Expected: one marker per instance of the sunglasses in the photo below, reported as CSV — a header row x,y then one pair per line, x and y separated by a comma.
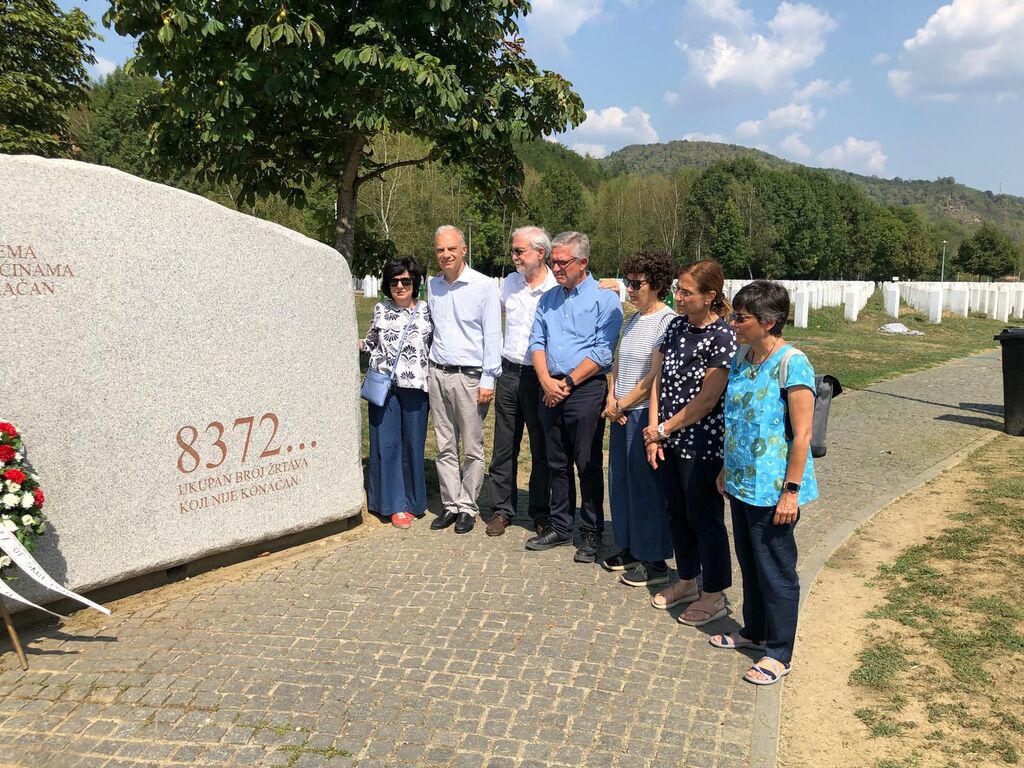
x,y
561,263
736,317
634,285
520,251
401,282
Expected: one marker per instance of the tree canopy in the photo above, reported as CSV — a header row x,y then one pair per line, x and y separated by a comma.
x,y
283,97
43,57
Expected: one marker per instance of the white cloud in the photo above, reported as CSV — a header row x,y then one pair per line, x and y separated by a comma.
x,y
794,147
821,89
594,150
103,67
633,126
552,22
967,47
739,56
856,155
881,58
671,98
699,136
792,116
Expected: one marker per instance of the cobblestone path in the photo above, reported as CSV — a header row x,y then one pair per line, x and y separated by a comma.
x,y
430,649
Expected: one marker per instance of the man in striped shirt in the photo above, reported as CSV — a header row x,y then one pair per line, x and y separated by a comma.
x,y
517,397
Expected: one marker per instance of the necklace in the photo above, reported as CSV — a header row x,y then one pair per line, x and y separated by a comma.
x,y
755,368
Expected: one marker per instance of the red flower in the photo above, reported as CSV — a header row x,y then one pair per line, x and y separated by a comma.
x,y
6,454
8,428
15,475
37,494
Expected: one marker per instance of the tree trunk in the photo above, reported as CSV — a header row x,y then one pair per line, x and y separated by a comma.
x,y
345,205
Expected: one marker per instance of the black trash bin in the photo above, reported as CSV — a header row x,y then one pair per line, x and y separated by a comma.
x,y
1012,340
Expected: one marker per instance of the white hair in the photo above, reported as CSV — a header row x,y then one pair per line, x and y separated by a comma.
x,y
539,239
450,228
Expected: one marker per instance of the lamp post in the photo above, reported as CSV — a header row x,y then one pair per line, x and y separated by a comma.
x,y
470,243
942,275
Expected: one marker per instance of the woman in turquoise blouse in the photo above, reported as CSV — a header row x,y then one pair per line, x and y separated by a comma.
x,y
768,474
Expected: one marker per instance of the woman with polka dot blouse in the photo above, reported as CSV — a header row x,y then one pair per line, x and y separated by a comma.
x,y
684,438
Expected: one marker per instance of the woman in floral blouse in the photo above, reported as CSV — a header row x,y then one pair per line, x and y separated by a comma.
x,y
684,438
768,474
398,429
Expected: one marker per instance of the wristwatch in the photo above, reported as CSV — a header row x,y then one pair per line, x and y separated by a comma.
x,y
791,487
661,429
570,383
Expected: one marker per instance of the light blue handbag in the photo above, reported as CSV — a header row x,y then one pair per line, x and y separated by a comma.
x,y
376,385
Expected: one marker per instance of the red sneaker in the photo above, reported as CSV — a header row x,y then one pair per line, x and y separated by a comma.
x,y
402,519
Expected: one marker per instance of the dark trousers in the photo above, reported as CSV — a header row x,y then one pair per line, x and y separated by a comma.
x,y
516,402
574,431
398,432
771,589
696,513
639,519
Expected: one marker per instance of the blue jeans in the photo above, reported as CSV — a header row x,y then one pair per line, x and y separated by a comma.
x,y
639,518
766,553
398,432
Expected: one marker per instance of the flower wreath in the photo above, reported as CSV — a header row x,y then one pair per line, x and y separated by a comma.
x,y
21,498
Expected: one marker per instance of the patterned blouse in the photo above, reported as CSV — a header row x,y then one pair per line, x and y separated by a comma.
x,y
688,352
756,449
382,342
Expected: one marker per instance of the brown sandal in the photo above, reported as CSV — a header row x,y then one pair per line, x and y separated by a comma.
x,y
672,599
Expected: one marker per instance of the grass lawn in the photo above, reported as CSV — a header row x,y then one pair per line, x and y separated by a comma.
x,y
855,353
948,641
858,355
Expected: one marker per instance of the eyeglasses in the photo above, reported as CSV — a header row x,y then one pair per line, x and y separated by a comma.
x,y
680,291
561,263
736,317
520,251
634,285
401,282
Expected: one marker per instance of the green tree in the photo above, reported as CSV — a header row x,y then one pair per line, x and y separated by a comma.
x,y
278,96
114,127
43,56
558,204
989,252
729,241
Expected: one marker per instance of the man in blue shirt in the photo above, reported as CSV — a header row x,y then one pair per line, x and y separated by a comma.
x,y
572,344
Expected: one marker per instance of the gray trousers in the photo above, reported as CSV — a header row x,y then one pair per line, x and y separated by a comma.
x,y
457,415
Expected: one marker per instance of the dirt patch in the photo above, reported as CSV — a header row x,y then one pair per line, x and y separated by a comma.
x,y
944,704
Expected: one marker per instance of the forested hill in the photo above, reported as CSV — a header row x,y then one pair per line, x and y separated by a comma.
x,y
943,198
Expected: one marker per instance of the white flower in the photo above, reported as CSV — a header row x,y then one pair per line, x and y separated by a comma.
x,y
27,500
10,525
18,457
4,561
10,500
27,520
13,487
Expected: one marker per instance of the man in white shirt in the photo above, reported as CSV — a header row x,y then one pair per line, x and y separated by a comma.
x,y
517,398
465,361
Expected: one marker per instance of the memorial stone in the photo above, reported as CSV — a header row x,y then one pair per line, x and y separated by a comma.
x,y
186,375
891,295
803,300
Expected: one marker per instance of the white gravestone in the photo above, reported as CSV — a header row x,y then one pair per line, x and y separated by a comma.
x,y
803,300
935,305
851,305
185,376
891,294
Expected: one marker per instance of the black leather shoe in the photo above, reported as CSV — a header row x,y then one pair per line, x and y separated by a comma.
x,y
443,520
550,538
465,522
590,543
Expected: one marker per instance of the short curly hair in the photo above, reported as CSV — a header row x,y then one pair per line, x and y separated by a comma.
x,y
657,268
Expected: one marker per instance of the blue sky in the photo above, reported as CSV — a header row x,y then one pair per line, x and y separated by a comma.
x,y
911,88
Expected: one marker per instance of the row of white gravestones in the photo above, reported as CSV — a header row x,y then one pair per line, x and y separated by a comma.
x,y
998,301
815,294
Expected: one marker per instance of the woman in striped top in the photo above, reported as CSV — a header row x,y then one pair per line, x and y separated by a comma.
x,y
639,519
